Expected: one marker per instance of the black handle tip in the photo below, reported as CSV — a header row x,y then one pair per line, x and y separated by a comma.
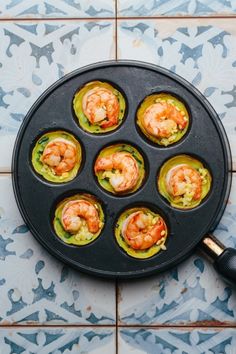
x,y
225,264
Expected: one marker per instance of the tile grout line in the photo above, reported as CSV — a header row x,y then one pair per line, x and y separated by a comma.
x,y
116,31
41,19
174,326
33,325
117,316
178,17
115,18
151,326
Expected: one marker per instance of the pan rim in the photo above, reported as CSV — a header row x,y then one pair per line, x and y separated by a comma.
x,y
221,204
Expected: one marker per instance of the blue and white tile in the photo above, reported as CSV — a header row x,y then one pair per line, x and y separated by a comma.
x,y
35,288
148,8
177,341
57,340
191,293
33,55
57,8
202,51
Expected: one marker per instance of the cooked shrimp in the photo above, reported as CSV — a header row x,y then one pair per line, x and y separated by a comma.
x,y
60,154
184,180
142,231
101,106
162,119
126,172
75,211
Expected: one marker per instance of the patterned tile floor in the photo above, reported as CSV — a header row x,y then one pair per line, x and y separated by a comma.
x,y
151,8
178,341
57,340
57,9
46,307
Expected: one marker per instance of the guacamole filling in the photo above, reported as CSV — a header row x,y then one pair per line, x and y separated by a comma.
x,y
103,177
185,200
83,236
84,122
46,171
136,253
177,132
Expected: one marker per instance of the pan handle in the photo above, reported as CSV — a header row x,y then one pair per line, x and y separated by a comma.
x,y
224,259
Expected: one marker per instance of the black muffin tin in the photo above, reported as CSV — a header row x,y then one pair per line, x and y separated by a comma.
x,y
38,198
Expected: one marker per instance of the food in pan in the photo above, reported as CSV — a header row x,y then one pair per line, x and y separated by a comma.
x,y
163,118
120,169
184,181
99,107
79,219
57,156
141,232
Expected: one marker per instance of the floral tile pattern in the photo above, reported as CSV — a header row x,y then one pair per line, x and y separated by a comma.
x,y
130,8
56,8
57,341
35,288
177,341
33,55
190,293
47,307
202,51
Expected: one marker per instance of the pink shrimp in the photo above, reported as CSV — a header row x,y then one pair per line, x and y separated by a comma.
x,y
101,106
184,179
126,168
140,232
60,154
76,210
162,119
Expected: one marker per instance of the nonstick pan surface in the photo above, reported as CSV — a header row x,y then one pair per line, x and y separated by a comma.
x,y
205,140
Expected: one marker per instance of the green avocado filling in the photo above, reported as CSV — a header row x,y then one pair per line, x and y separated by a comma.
x,y
103,177
185,201
78,107
83,236
46,171
141,254
176,134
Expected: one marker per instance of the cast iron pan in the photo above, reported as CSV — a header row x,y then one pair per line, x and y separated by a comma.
x,y
205,140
